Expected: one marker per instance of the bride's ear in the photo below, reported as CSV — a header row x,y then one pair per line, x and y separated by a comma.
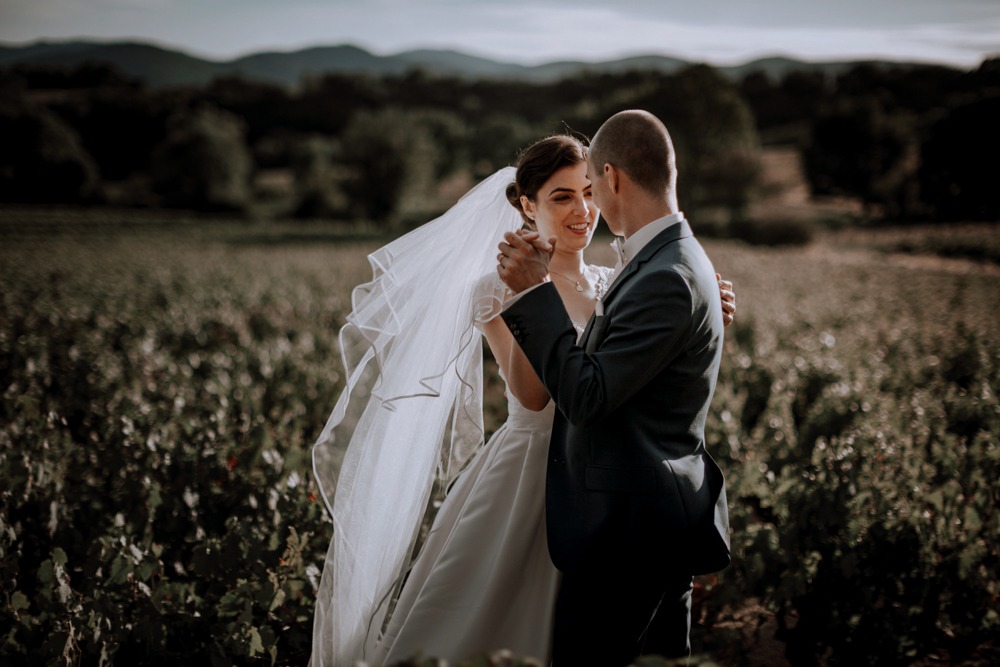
x,y
528,207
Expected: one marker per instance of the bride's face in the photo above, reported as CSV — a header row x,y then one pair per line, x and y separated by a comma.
x,y
564,208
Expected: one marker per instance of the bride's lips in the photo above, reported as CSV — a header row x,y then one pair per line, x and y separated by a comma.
x,y
581,228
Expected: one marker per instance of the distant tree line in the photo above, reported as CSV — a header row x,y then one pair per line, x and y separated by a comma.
x,y
911,143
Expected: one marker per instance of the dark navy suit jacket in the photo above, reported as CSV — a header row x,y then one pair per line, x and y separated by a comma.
x,y
629,479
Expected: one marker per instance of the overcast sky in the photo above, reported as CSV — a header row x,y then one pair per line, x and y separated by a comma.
x,y
959,32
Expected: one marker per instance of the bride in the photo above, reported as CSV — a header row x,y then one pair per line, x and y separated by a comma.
x,y
410,419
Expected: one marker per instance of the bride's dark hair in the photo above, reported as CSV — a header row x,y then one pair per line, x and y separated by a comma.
x,y
536,164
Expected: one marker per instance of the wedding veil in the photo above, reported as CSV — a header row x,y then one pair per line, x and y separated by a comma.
x,y
411,410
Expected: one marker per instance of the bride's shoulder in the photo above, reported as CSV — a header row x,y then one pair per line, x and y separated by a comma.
x,y
490,286
489,282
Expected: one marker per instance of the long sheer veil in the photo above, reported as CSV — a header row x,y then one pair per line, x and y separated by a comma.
x,y
411,411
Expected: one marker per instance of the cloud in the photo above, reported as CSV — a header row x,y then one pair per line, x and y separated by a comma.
x,y
532,31
589,33
760,13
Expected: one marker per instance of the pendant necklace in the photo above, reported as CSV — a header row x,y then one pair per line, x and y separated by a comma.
x,y
579,287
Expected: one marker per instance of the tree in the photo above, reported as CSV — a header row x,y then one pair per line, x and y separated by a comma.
x,y
315,183
375,149
42,159
394,160
859,150
784,110
712,128
203,162
731,179
118,126
262,106
959,171
496,141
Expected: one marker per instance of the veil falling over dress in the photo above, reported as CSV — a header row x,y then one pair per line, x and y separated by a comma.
x,y
411,410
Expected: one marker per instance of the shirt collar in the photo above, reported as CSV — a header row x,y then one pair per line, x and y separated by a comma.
x,y
635,243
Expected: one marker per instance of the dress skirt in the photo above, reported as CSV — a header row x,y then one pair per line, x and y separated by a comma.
x,y
483,580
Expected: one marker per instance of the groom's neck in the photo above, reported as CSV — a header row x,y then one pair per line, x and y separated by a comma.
x,y
643,210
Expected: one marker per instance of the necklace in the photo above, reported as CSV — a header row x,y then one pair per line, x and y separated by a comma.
x,y
579,287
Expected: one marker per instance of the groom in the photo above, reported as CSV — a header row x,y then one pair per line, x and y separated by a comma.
x,y
635,506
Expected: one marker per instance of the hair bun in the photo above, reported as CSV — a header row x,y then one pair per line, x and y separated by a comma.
x,y
514,195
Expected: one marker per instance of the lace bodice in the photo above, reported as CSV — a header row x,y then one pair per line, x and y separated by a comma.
x,y
604,276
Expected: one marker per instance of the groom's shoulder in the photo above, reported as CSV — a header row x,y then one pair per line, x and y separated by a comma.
x,y
688,250
683,261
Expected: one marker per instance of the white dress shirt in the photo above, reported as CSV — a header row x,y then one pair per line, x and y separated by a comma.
x,y
634,244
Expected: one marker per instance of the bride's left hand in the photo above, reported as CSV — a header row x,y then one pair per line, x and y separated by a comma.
x,y
728,300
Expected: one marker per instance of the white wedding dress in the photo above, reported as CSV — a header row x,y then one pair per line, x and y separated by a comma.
x,y
484,580
409,418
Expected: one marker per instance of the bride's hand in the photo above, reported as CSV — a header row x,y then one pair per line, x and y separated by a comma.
x,y
535,239
728,300
523,261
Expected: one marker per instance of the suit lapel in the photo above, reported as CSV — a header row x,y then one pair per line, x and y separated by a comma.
x,y
669,235
672,233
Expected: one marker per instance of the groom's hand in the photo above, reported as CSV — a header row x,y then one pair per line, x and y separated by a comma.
x,y
523,261
728,300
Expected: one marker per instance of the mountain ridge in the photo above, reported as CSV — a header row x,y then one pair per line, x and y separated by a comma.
x,y
162,66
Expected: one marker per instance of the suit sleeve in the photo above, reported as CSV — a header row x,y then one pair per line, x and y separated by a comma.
x,y
648,327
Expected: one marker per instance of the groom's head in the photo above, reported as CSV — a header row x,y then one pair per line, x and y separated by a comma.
x,y
636,145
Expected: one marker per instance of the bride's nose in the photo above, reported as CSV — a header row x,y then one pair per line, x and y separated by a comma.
x,y
580,207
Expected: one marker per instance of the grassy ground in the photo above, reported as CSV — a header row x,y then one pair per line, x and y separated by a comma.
x,y
201,354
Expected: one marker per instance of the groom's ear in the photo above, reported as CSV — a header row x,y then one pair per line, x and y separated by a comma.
x,y
614,177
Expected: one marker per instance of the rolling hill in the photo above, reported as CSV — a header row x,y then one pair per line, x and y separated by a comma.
x,y
160,66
